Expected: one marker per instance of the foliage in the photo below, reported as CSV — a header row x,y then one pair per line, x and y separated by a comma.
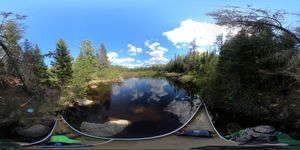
x,y
258,70
40,68
62,64
85,64
198,68
102,56
252,71
33,66
12,33
114,72
84,67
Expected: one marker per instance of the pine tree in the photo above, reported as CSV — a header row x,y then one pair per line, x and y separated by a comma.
x,y
27,55
40,68
28,65
102,56
62,64
86,63
12,33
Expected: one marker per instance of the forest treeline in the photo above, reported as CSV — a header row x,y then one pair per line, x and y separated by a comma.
x,y
22,60
252,68
255,72
65,79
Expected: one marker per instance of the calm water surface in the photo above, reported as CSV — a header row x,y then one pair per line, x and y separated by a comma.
x,y
153,106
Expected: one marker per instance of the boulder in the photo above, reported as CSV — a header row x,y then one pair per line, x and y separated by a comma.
x,y
44,120
106,129
33,131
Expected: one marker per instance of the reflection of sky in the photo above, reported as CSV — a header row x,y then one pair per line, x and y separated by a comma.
x,y
136,95
116,90
151,104
183,109
133,86
157,89
131,83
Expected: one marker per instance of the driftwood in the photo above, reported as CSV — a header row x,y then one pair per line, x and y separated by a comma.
x,y
24,104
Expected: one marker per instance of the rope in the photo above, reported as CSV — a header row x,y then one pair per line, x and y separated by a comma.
x,y
103,142
48,136
211,123
134,139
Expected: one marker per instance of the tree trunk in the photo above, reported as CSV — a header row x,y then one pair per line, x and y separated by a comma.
x,y
14,63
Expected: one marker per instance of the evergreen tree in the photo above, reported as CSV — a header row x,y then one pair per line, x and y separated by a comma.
x,y
28,65
40,68
27,56
254,68
12,34
86,63
102,56
62,64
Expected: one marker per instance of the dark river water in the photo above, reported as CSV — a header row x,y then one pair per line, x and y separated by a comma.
x,y
143,107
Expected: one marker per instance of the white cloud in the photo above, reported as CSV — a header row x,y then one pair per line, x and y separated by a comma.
x,y
130,65
156,52
200,49
113,58
138,61
153,45
203,33
112,55
147,42
133,50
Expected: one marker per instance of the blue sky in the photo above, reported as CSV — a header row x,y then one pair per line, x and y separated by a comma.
x,y
135,32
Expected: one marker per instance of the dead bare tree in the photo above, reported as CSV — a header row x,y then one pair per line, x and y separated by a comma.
x,y
233,16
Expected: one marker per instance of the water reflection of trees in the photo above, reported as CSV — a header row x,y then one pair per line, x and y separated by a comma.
x,y
97,112
177,86
101,94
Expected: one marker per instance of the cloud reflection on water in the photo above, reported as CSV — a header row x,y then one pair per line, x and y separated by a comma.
x,y
154,106
183,109
157,89
116,90
136,95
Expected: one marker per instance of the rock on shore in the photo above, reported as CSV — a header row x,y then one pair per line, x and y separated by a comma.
x,y
106,129
33,131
